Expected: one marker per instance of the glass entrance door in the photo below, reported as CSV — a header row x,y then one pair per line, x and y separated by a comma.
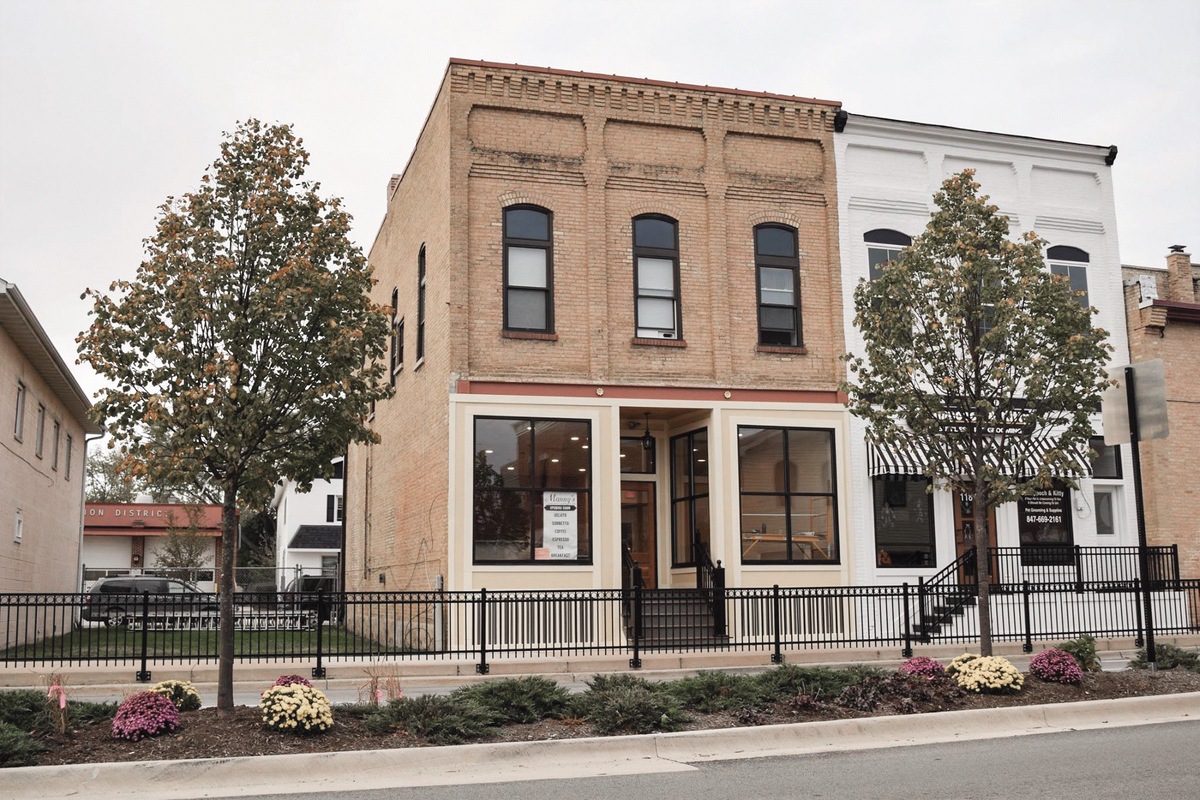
x,y
638,528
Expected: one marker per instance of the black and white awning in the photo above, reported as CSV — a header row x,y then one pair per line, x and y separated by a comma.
x,y
911,461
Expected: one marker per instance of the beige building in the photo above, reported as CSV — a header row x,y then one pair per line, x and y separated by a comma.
x,y
43,428
1163,309
617,337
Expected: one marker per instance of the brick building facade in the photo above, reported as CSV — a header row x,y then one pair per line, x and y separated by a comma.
x,y
581,266
1163,308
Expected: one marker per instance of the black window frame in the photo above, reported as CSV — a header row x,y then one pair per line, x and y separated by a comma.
x,y
532,490
19,419
421,282
651,453
641,251
688,500
1097,443
547,245
788,494
891,486
763,261
396,357
884,239
1071,262
39,443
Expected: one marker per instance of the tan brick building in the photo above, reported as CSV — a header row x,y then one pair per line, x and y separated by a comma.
x,y
43,414
1163,310
618,328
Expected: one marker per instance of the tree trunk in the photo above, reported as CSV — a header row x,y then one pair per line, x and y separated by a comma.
x,y
982,560
229,543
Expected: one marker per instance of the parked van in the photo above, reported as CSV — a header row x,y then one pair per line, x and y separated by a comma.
x,y
114,601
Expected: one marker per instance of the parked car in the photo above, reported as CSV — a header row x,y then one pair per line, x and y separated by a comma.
x,y
301,595
114,601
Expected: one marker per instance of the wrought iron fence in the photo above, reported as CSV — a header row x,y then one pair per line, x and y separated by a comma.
x,y
482,626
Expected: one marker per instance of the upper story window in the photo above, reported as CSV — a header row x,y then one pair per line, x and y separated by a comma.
x,y
1071,263
70,447
528,270
420,305
656,278
884,245
396,358
334,508
54,452
19,421
777,262
39,443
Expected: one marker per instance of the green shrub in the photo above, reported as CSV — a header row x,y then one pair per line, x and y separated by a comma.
x,y
182,693
787,681
1168,656
626,704
17,747
1084,651
518,700
900,692
85,712
436,719
717,691
26,709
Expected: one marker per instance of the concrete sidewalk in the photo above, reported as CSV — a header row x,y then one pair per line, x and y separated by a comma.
x,y
620,755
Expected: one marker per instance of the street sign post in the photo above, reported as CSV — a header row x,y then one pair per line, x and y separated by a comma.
x,y
1135,409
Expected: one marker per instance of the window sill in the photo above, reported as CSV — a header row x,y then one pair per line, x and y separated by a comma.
x,y
797,350
532,336
638,341
417,365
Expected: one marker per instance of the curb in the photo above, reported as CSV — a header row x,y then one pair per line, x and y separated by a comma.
x,y
618,755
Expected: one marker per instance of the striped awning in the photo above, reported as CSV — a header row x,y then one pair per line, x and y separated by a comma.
x,y
885,460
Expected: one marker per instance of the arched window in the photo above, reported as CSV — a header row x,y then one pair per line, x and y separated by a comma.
x,y
777,262
1071,263
528,269
656,277
884,245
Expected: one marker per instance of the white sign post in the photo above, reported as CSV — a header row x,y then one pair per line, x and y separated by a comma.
x,y
561,518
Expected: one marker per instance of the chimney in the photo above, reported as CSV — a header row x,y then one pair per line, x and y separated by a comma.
x,y
1179,275
392,184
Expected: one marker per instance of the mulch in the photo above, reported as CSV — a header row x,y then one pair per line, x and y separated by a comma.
x,y
207,734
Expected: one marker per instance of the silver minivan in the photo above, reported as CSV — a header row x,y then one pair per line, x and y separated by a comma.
x,y
114,601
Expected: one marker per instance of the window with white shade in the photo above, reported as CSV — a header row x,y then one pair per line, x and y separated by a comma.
x,y
656,277
528,270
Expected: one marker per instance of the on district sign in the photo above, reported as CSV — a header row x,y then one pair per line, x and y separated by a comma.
x,y
560,514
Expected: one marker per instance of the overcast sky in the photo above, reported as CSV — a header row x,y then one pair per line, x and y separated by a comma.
x,y
108,108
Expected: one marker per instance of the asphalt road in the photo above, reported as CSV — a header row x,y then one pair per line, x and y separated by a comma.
x,y
1145,762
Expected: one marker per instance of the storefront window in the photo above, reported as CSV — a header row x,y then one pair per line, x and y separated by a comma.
x,y
689,496
903,523
1044,519
532,480
788,497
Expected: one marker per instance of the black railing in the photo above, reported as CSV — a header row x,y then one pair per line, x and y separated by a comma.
x,y
1116,567
145,632
710,580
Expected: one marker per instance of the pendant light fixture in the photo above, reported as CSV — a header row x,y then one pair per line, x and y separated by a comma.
x,y
647,439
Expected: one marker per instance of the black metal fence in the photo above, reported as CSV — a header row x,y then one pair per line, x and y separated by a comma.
x,y
143,630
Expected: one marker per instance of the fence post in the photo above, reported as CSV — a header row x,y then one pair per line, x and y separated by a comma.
x,y
1137,603
482,667
777,656
922,616
1175,566
1028,646
718,590
319,669
1078,570
636,661
908,651
143,675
